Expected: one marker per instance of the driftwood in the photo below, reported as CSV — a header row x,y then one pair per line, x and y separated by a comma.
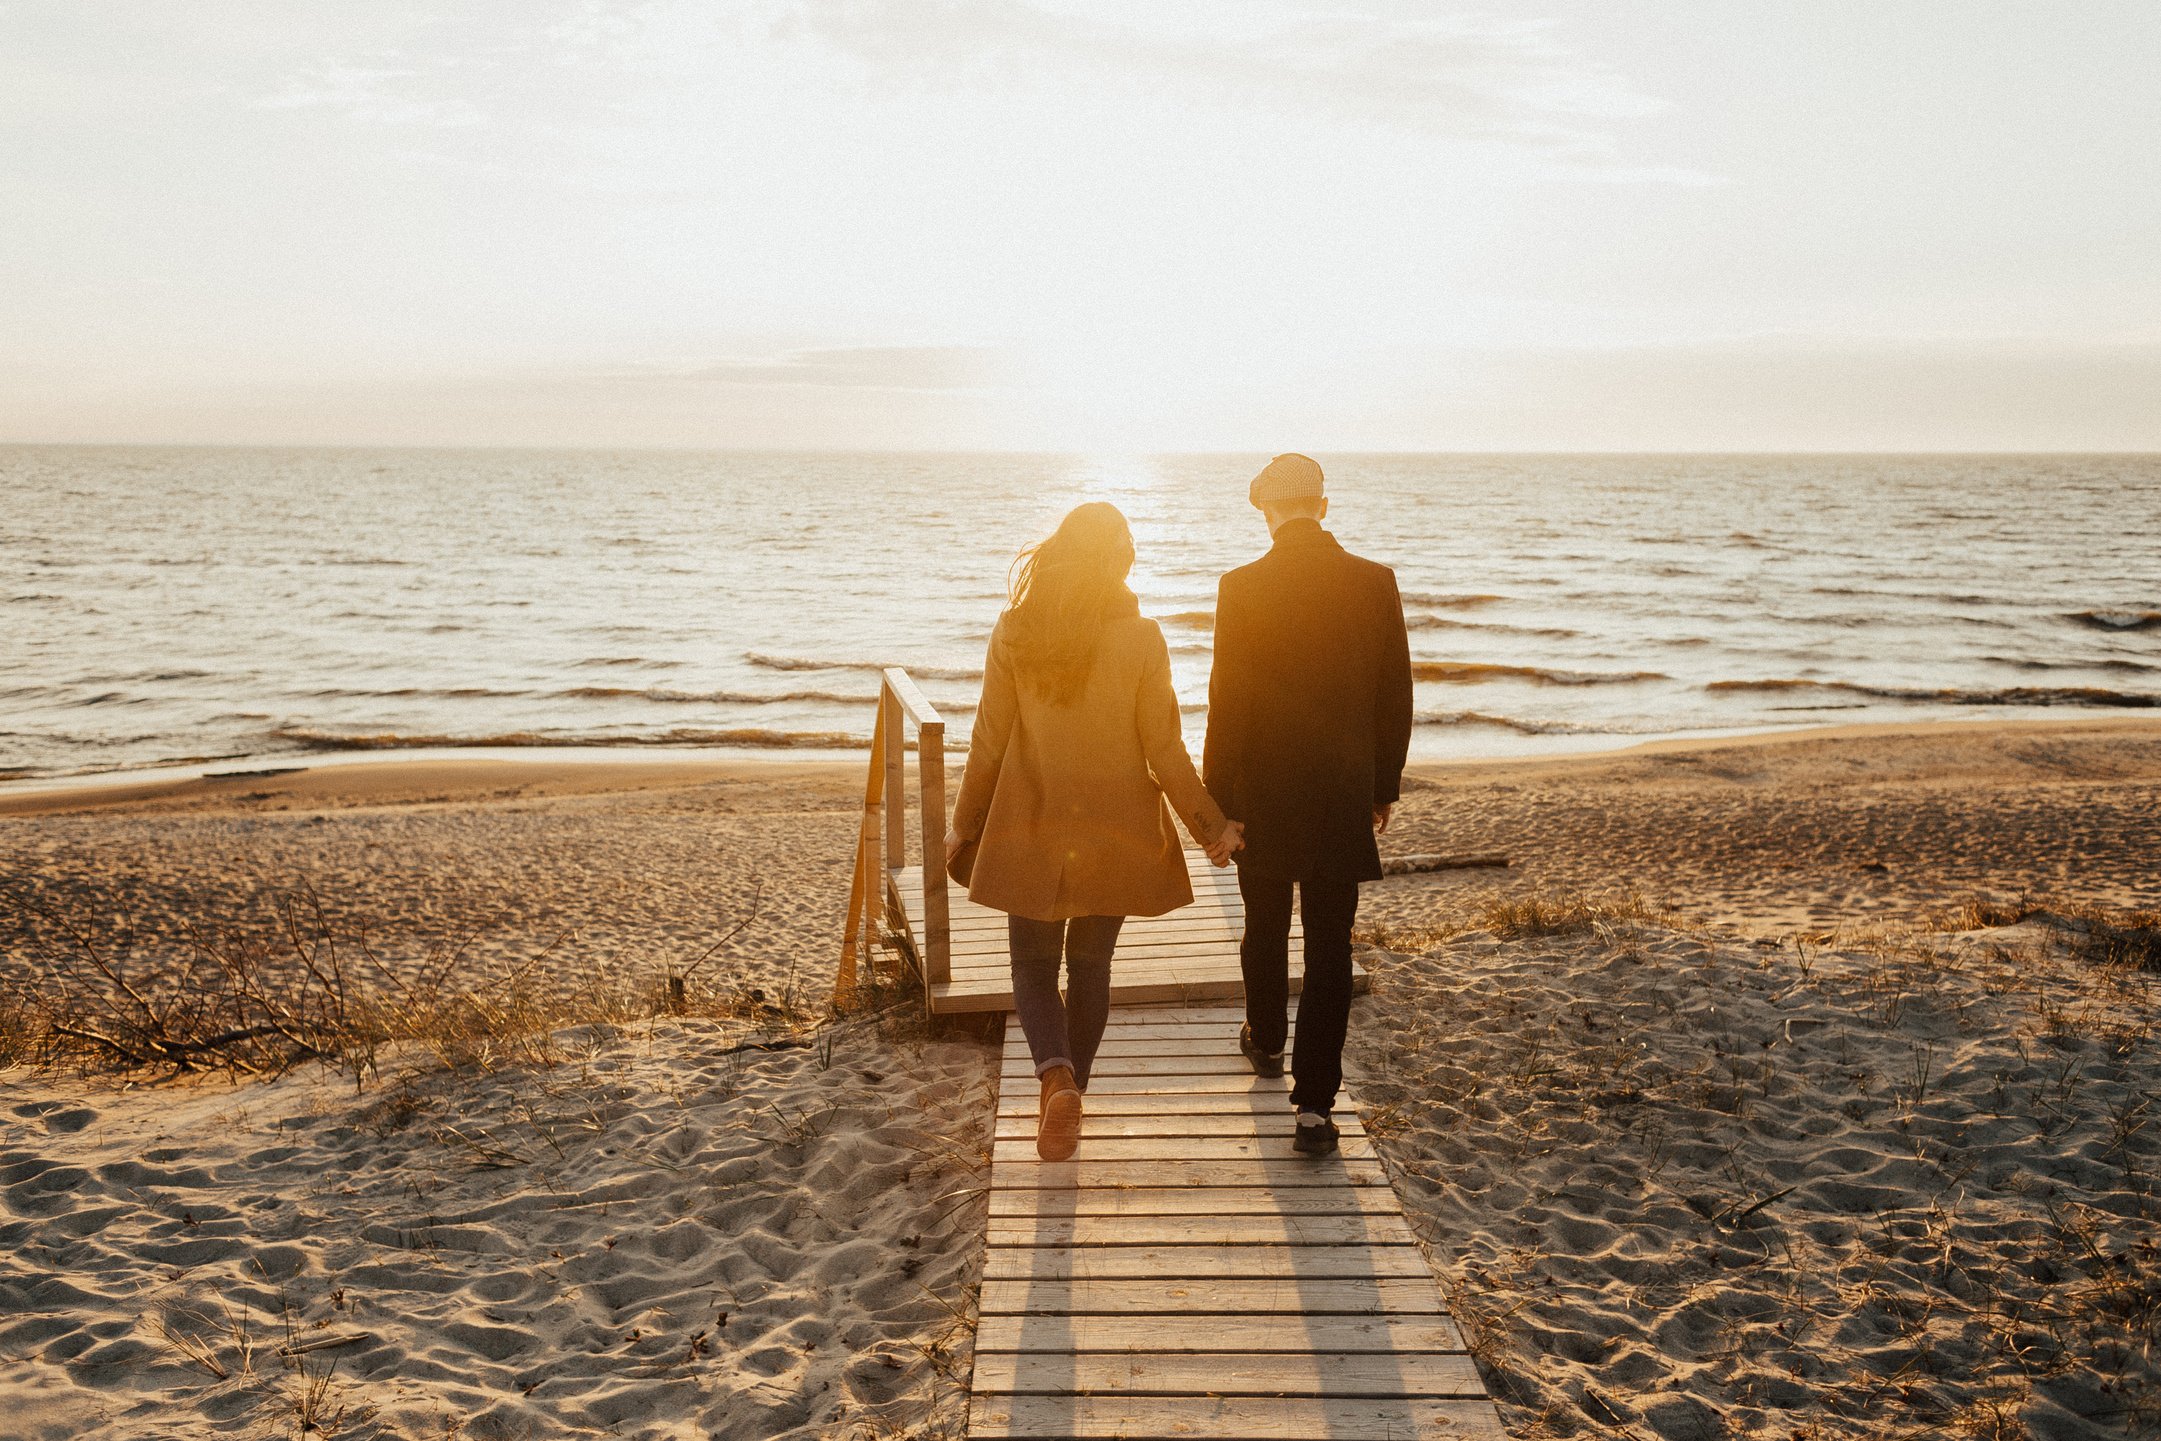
x,y
1438,861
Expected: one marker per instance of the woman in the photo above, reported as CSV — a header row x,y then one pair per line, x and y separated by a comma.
x,y
1061,820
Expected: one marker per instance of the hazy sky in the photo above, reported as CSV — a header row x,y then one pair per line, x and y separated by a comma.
x,y
1236,224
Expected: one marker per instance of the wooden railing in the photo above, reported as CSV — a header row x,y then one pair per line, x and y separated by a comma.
x,y
875,914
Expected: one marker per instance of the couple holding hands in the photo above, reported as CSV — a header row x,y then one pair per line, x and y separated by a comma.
x,y
1076,761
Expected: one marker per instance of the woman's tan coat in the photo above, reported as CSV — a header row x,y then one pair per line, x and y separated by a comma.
x,y
1067,802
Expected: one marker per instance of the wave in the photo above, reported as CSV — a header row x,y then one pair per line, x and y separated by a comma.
x,y
2118,664
633,662
2034,695
790,662
1453,602
2117,620
1504,722
1191,619
310,738
407,692
1418,620
667,696
1476,672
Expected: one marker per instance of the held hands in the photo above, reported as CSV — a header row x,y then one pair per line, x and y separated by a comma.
x,y
1229,843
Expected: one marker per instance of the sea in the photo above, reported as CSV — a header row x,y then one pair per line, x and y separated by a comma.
x,y
206,606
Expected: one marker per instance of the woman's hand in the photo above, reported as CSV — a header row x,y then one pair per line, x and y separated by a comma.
x,y
1230,842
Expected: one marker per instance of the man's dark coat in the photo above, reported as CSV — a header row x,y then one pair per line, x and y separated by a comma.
x,y
1309,706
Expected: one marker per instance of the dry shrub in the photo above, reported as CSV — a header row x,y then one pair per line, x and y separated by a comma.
x,y
2099,935
1525,914
19,1023
260,1005
1565,913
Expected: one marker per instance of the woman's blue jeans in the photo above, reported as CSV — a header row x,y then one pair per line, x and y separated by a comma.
x,y
1063,1033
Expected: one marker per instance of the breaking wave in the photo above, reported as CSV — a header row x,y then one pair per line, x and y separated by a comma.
x,y
1504,722
1474,672
310,738
2035,695
792,663
2117,620
1446,600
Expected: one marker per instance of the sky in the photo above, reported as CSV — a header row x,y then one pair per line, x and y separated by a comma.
x,y
1248,225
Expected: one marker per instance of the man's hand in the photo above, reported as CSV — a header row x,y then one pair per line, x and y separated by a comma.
x,y
953,842
1230,842
1380,818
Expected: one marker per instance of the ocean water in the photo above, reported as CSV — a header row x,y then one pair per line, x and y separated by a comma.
x,y
163,605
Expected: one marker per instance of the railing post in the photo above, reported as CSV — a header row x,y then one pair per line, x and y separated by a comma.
x,y
896,778
937,924
874,925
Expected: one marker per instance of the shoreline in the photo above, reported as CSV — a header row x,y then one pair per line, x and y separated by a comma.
x,y
449,774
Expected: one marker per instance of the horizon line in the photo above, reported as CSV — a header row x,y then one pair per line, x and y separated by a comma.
x,y
988,451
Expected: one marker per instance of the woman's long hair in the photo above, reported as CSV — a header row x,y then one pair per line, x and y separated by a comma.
x,y
1064,591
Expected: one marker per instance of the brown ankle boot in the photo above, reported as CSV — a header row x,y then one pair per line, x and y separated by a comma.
x,y
1058,1115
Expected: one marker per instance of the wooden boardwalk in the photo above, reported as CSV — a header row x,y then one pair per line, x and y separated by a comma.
x,y
1187,1274
1189,955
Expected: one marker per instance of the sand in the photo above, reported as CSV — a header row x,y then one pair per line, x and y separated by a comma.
x,y
661,1236
1687,1188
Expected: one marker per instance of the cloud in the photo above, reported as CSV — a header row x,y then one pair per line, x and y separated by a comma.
x,y
383,94
875,367
1462,76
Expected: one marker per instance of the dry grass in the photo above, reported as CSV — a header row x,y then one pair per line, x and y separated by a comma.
x,y
2099,935
1523,915
250,1005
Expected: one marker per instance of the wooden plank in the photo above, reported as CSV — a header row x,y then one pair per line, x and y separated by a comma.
x,y
1229,1084
985,996
1057,1333
1183,1016
1018,1263
1094,1127
1254,1230
910,697
1183,1148
1222,1033
1192,1201
1150,1103
1292,1171
1434,1375
1234,1418
980,918
1213,948
1215,1065
1144,1045
1208,1296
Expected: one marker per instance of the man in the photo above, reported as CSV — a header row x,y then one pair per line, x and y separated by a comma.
x,y
1309,720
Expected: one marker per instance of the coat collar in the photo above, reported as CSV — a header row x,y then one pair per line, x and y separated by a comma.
x,y
1300,534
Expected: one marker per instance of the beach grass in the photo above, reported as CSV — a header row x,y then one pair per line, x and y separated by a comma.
x,y
1520,914
257,1003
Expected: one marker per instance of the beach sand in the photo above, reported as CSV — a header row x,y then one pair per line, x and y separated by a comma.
x,y
660,1236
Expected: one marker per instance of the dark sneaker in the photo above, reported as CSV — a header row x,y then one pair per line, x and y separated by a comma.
x,y
1265,1063
1316,1134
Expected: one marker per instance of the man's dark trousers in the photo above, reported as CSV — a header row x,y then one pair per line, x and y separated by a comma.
x,y
1324,1008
